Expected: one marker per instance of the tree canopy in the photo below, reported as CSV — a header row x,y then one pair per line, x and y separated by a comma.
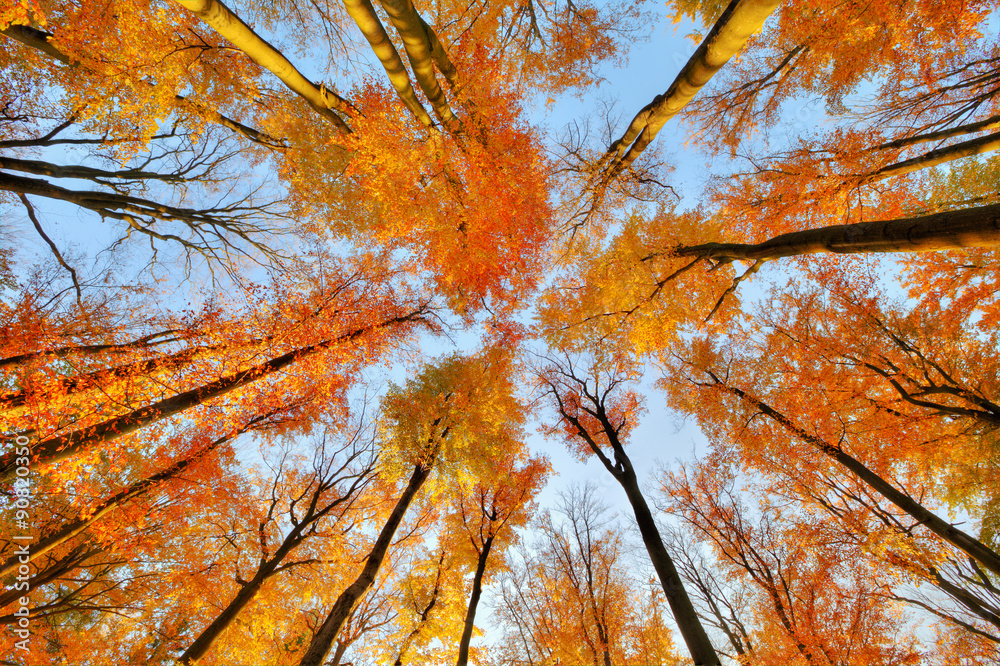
x,y
306,306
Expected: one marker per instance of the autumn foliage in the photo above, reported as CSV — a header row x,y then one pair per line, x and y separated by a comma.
x,y
308,311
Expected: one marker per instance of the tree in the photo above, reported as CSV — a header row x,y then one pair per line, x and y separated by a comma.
x,y
227,221
491,512
453,414
157,385
825,610
338,477
595,414
568,598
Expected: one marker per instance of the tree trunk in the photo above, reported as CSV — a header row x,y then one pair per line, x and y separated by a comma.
x,y
242,36
73,528
419,50
147,342
978,146
970,227
956,537
688,622
424,615
338,654
364,15
320,646
203,643
59,448
694,634
981,126
470,616
737,24
72,385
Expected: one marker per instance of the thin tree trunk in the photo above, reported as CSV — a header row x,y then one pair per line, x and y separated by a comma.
x,y
338,654
73,528
981,126
470,616
956,537
315,654
54,571
951,230
116,206
147,342
694,634
59,448
72,385
424,615
978,146
203,643
80,171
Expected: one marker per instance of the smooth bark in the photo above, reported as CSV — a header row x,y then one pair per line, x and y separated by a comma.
x,y
737,24
318,649
242,36
477,591
55,449
364,15
420,51
977,146
951,230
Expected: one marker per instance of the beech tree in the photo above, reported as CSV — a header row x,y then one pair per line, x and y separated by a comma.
x,y
225,222
596,413
570,598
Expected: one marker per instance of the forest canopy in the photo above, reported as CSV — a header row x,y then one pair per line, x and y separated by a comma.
x,y
311,312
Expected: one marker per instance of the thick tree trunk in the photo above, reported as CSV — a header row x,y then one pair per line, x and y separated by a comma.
x,y
956,537
315,654
59,448
203,643
242,36
364,15
970,227
420,51
470,615
738,23
692,631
